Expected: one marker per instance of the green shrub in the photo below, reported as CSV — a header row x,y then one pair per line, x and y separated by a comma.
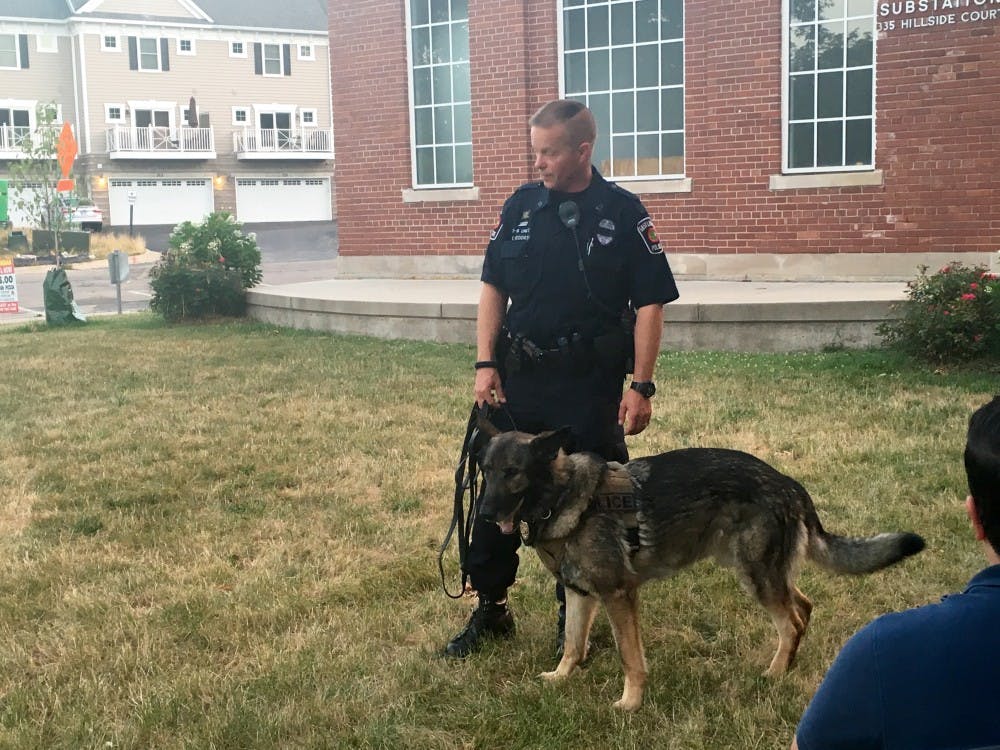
x,y
206,271
949,316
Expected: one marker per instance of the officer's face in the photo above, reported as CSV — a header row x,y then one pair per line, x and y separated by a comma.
x,y
562,167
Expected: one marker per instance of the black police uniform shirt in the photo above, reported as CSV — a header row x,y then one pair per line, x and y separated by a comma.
x,y
534,259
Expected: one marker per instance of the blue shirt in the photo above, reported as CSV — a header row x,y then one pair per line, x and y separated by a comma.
x,y
924,679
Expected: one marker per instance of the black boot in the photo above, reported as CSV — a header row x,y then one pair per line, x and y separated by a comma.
x,y
489,619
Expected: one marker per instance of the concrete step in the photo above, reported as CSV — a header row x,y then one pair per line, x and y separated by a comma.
x,y
709,316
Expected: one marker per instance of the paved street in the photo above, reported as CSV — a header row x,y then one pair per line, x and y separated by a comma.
x,y
289,254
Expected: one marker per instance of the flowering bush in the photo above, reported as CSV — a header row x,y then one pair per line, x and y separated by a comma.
x,y
206,271
950,316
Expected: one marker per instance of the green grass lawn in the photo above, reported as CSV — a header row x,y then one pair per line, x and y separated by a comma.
x,y
225,536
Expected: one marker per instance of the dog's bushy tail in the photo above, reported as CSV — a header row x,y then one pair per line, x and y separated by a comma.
x,y
857,555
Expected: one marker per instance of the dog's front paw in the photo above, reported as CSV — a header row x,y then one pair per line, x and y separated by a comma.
x,y
557,674
624,704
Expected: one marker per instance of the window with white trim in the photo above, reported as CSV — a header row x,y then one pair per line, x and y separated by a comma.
x,y
271,57
114,113
237,49
9,53
440,93
306,52
241,116
830,87
625,60
308,118
149,54
109,43
185,47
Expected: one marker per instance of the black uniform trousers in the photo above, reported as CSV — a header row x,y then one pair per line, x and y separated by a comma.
x,y
540,399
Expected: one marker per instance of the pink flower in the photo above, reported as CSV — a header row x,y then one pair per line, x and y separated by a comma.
x,y
945,269
977,338
968,297
945,312
987,276
221,259
973,285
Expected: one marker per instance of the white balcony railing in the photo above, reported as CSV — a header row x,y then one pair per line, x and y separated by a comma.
x,y
160,142
277,143
14,139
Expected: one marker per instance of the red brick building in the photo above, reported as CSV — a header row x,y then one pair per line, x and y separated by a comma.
x,y
777,139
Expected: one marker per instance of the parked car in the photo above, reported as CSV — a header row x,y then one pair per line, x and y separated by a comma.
x,y
87,215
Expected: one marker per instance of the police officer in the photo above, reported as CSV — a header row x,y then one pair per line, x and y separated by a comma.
x,y
579,262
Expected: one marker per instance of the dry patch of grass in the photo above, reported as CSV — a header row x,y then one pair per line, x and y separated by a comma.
x,y
225,536
103,244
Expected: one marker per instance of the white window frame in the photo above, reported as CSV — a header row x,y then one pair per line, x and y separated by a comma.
x,y
786,73
457,102
310,55
190,52
607,138
116,47
264,59
47,43
111,120
232,50
302,117
31,107
139,53
155,106
246,117
17,53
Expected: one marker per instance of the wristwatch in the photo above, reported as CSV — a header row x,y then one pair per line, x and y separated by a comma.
x,y
645,388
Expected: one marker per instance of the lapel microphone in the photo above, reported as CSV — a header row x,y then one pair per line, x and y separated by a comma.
x,y
569,214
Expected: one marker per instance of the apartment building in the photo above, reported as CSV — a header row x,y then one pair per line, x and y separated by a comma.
x,y
768,138
179,107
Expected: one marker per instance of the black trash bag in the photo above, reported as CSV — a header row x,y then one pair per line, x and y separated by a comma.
x,y
60,309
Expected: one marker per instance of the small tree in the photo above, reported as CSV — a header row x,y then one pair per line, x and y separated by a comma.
x,y
36,176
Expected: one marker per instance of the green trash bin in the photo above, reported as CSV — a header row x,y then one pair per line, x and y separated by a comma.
x,y
60,308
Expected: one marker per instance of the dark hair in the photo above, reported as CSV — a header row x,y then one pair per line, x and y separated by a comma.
x,y
982,467
581,127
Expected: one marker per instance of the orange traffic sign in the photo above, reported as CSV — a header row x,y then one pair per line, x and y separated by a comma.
x,y
66,149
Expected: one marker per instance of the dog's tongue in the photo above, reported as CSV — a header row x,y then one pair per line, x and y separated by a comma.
x,y
506,527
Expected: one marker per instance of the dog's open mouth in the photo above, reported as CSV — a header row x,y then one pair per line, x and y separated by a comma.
x,y
508,524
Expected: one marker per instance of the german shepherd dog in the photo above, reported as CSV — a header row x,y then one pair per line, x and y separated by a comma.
x,y
603,529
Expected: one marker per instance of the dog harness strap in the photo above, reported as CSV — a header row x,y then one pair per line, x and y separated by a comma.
x,y
616,492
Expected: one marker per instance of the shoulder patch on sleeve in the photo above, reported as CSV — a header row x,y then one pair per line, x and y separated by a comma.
x,y
497,229
647,231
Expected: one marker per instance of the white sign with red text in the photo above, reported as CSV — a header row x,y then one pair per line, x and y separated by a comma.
x,y
8,288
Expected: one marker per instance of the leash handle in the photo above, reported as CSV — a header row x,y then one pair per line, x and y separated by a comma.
x,y
467,460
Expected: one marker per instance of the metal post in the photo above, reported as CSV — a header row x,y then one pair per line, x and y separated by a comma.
x,y
131,212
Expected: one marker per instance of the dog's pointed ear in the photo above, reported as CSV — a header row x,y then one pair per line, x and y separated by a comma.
x,y
547,444
486,427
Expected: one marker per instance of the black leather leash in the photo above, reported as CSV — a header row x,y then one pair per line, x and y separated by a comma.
x,y
467,476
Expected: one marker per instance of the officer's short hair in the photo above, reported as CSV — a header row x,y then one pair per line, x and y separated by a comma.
x,y
982,467
579,121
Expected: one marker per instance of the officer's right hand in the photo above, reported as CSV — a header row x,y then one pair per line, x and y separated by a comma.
x,y
488,389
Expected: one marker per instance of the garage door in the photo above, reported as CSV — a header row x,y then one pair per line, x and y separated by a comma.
x,y
285,199
18,216
160,201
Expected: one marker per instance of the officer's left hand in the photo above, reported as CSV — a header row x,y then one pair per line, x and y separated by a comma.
x,y
635,412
